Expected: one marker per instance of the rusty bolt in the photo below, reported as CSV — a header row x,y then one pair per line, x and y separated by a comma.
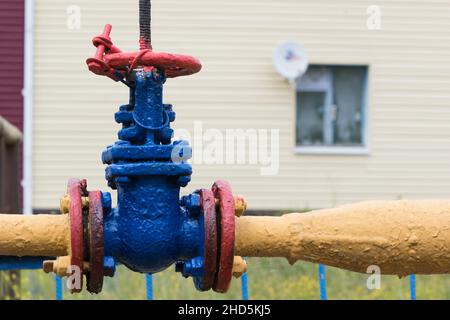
x,y
86,267
61,265
85,202
239,266
64,204
58,266
240,205
47,266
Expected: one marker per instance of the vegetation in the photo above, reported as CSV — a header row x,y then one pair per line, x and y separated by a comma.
x,y
267,279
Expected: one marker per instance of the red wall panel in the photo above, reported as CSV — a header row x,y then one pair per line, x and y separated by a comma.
x,y
11,60
12,24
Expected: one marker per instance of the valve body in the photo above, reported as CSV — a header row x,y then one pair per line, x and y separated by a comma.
x,y
148,230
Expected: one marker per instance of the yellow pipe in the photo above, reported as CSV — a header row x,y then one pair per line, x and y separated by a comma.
x,y
36,235
400,237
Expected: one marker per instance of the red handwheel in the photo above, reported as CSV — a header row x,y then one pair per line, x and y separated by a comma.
x,y
174,65
110,61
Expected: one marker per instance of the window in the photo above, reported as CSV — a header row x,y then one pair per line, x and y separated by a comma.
x,y
331,109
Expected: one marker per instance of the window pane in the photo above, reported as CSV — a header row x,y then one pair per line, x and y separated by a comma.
x,y
310,107
348,88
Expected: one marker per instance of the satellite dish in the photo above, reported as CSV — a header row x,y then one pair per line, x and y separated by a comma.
x,y
290,60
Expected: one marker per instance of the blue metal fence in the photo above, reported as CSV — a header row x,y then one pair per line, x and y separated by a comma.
x,y
149,286
412,287
58,288
322,282
244,285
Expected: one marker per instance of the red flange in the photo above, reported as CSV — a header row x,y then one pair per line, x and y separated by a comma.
x,y
222,191
75,189
95,234
208,205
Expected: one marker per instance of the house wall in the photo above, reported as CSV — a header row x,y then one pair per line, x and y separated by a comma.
x,y
408,94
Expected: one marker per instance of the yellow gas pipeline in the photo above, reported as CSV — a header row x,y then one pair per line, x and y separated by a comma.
x,y
400,237
34,235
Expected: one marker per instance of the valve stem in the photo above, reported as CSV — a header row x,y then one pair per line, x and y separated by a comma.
x,y
145,19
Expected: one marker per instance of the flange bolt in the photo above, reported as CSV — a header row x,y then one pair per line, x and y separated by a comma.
x,y
64,204
240,205
109,266
192,204
106,203
193,267
239,266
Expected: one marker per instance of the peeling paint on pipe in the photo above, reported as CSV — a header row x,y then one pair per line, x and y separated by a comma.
x,y
401,237
34,235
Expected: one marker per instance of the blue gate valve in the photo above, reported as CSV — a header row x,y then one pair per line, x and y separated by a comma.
x,y
151,228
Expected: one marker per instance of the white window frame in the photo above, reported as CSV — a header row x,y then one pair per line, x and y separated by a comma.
x,y
362,149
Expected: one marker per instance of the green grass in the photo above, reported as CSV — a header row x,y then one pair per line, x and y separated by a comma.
x,y
268,279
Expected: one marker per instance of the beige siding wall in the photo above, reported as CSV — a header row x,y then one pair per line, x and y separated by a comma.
x,y
409,93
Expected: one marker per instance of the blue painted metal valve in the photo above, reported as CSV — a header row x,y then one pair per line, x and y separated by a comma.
x,y
151,228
